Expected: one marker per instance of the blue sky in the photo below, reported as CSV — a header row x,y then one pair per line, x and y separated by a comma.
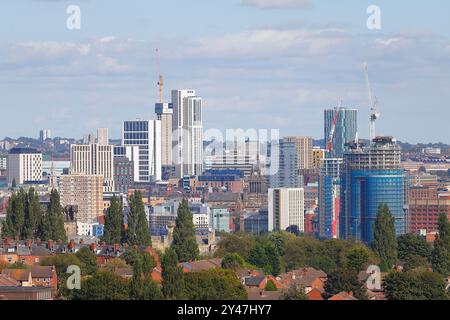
x,y
257,63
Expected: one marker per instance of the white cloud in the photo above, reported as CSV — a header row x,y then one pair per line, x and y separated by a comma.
x,y
279,4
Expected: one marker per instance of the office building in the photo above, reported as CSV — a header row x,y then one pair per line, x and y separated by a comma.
x,y
85,192
94,159
123,174
3,162
318,156
24,166
304,147
220,219
426,204
372,176
187,125
345,124
257,223
146,135
286,209
329,197
284,166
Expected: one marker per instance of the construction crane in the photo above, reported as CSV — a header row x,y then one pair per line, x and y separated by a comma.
x,y
333,127
374,113
161,78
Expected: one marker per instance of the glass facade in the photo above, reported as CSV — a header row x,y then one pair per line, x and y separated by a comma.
x,y
345,130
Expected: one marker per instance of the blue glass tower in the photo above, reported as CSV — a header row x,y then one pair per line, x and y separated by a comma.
x,y
372,176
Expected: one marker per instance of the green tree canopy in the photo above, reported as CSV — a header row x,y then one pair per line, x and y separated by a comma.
x,y
184,241
173,285
138,232
344,280
413,251
440,257
113,223
53,220
103,285
385,242
214,284
294,293
88,259
240,243
270,286
265,256
414,285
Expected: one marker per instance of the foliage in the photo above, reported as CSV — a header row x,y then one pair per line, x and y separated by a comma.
x,y
113,223
385,242
413,251
414,285
53,220
103,286
233,261
344,280
358,257
240,243
440,257
184,241
294,293
88,259
264,255
173,285
270,286
138,231
214,284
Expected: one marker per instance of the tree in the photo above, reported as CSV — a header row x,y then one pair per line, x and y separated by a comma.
x,y
113,223
294,293
440,257
14,224
240,243
184,241
173,285
413,251
266,257
270,286
385,242
358,257
344,280
33,216
414,285
103,285
142,286
88,259
138,232
53,220
214,284
233,261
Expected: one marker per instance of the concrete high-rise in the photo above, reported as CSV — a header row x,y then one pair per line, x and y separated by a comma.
x,y
85,192
304,146
164,113
187,127
145,134
284,166
372,176
103,136
94,159
45,134
286,208
345,123
24,166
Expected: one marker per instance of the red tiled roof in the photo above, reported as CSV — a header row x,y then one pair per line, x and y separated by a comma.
x,y
7,281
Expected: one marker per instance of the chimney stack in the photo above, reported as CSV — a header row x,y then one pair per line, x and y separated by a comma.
x,y
50,244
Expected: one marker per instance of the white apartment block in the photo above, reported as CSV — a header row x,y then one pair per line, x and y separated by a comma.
x,y
94,159
164,113
86,193
187,126
24,166
286,208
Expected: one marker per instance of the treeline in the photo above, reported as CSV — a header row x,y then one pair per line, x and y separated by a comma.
x,y
26,219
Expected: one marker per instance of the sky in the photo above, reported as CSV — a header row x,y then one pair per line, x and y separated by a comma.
x,y
258,64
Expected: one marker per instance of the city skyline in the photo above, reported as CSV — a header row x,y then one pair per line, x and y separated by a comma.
x,y
256,66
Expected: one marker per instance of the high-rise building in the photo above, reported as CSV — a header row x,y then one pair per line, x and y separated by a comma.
x,y
426,204
286,209
103,136
146,135
94,159
345,124
187,125
372,176
164,113
329,197
45,134
284,166
85,192
304,147
24,166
